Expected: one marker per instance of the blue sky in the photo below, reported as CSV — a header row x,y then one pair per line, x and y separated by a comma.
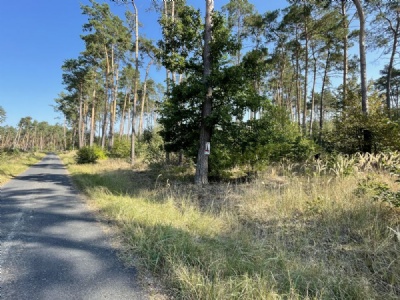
x,y
36,36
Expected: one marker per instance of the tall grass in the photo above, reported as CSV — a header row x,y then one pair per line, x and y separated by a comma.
x,y
308,236
12,164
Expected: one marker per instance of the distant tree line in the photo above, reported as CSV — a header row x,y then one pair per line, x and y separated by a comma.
x,y
31,135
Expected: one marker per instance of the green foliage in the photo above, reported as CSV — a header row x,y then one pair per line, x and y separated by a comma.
x,y
99,152
302,148
249,144
350,127
121,148
255,143
181,39
155,149
179,116
89,155
379,191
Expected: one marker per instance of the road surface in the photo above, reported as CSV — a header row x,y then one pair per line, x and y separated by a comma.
x,y
51,246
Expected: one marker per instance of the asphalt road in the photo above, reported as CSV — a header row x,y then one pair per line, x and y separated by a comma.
x,y
52,247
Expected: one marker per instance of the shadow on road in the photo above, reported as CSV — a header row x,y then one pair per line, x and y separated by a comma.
x,y
52,247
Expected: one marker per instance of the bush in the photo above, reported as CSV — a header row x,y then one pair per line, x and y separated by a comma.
x,y
302,149
155,150
99,152
379,191
89,155
354,131
121,148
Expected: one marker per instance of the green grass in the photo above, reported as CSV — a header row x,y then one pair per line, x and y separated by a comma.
x,y
15,163
280,237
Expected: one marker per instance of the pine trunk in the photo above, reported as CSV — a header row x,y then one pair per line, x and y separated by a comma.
x,y
133,137
201,176
143,98
363,59
345,46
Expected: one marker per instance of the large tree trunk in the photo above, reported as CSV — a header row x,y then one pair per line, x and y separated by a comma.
x,y
114,105
305,82
129,120
104,122
363,59
298,85
84,125
93,119
321,107
201,176
64,134
80,124
104,129
144,98
123,115
133,137
345,46
367,144
313,93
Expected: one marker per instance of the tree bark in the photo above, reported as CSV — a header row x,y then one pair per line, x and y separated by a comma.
x,y
144,97
104,128
93,119
64,134
113,104
305,81
313,93
123,115
345,46
80,124
321,108
363,60
133,137
201,176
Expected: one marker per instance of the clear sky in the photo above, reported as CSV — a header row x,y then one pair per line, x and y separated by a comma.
x,y
36,36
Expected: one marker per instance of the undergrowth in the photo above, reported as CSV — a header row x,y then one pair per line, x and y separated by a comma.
x,y
299,231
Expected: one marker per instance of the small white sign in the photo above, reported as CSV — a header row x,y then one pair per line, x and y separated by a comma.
x,y
207,149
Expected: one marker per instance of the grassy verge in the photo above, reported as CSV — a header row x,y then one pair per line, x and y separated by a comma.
x,y
280,237
15,163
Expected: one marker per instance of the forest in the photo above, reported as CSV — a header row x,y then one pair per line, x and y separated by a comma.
x,y
257,86
266,163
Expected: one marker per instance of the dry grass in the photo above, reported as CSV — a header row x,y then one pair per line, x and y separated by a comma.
x,y
13,164
283,236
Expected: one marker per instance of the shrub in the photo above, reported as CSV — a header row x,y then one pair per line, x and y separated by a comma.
x,y
121,148
302,149
155,150
99,152
89,155
379,191
353,131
